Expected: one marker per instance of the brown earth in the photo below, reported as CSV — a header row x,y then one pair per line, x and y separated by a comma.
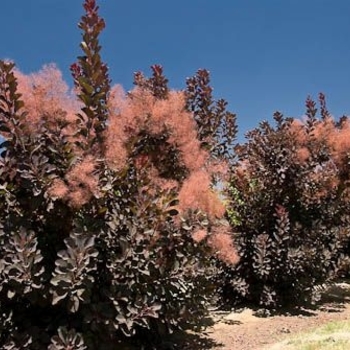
x,y
243,330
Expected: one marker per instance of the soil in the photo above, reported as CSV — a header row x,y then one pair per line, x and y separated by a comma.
x,y
245,330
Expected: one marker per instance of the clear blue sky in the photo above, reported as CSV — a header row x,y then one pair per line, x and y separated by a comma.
x,y
264,55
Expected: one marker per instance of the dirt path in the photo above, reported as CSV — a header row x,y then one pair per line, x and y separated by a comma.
x,y
252,333
244,331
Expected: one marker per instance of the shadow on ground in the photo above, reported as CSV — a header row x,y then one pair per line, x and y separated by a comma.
x,y
333,298
191,341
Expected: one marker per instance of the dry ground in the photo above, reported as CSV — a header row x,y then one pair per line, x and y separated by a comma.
x,y
243,330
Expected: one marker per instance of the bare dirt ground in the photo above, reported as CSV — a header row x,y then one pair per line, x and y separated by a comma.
x,y
243,330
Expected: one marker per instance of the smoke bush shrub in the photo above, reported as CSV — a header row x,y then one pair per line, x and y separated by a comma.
x,y
102,197
288,205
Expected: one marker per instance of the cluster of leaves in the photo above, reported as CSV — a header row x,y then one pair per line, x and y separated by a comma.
x,y
288,206
217,126
92,254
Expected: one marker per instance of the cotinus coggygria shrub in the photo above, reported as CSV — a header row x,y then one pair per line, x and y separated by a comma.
x,y
108,218
288,205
